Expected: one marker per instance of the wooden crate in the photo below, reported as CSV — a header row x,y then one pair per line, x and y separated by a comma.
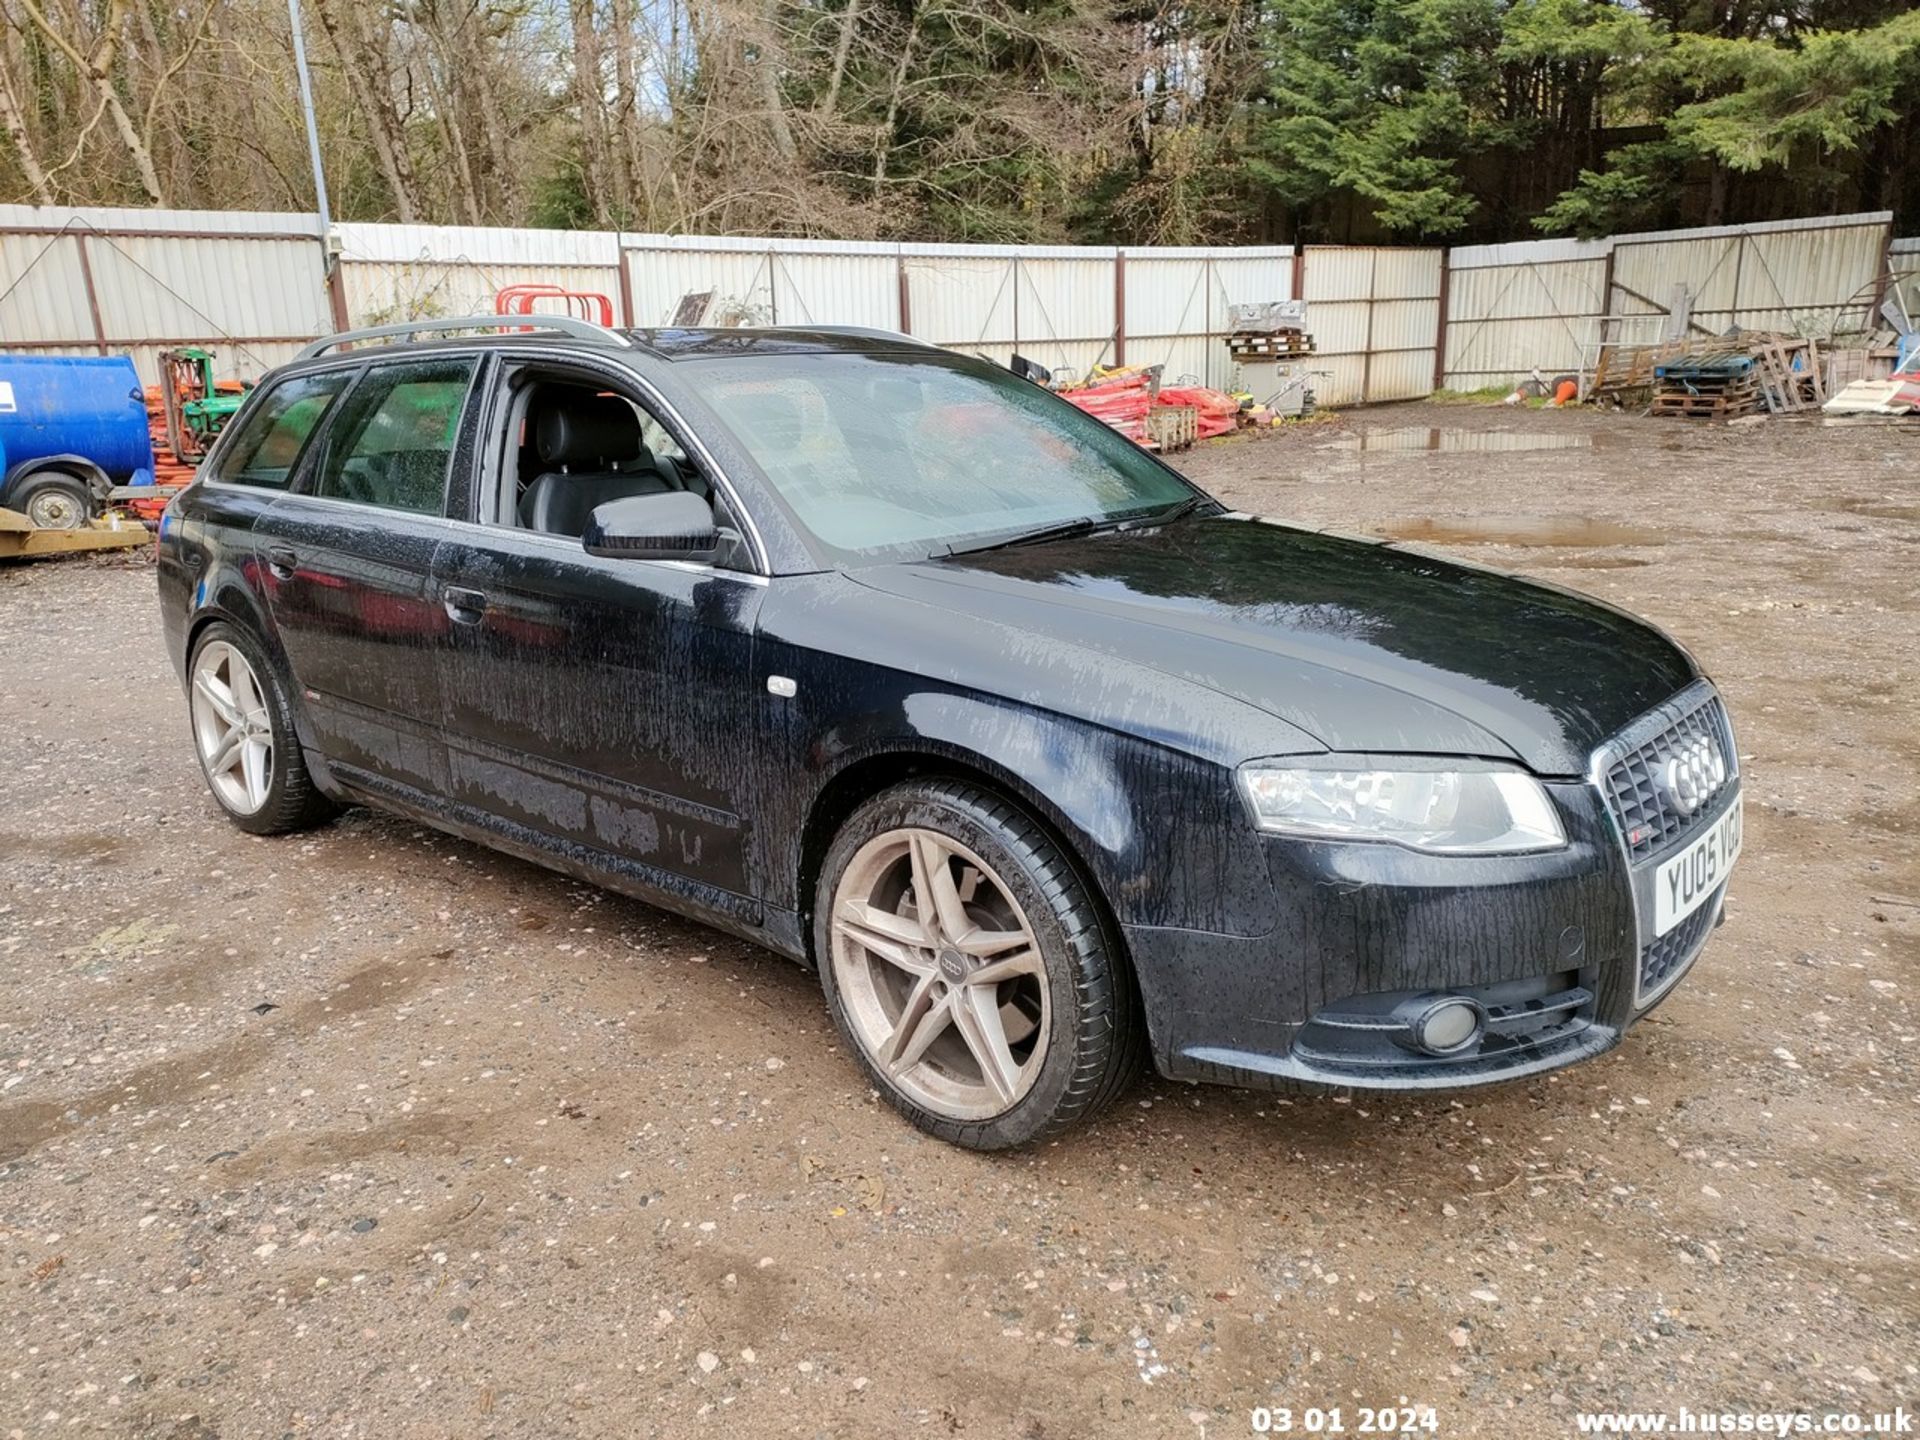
x,y
1172,427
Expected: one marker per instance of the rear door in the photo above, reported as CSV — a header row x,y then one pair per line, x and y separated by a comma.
x,y
345,562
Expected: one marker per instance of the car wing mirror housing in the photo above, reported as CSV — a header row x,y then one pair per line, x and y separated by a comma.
x,y
673,525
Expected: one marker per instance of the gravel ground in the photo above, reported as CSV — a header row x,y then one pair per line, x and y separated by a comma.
x,y
372,1133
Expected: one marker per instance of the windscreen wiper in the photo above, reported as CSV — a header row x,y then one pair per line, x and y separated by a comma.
x,y
1086,525
1079,525
1173,512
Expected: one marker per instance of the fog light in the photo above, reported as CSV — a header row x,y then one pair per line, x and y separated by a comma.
x,y
1444,1024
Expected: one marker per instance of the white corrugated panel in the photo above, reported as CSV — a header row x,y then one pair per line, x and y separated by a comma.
x,y
1404,375
1526,252
1502,352
1646,274
1811,281
1796,275
379,292
102,217
1165,297
1504,320
248,286
1405,325
1064,300
740,280
1526,291
1337,273
1771,227
1342,380
201,290
476,245
961,302
1405,275
1181,357
1339,327
43,294
834,289
1905,256
1245,280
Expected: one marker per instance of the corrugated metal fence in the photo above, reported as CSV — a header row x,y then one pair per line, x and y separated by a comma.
x,y
1390,322
136,281
1904,261
1546,304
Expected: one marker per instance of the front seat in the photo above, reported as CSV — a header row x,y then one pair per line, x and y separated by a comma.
x,y
594,453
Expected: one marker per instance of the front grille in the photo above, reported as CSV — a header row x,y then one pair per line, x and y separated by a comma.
x,y
1669,954
1649,819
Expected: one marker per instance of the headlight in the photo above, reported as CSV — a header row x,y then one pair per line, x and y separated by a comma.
x,y
1470,809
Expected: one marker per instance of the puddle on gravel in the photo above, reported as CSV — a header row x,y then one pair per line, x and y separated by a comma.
x,y
1583,531
1435,438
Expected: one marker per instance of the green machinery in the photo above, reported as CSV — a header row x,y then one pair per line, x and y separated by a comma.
x,y
196,409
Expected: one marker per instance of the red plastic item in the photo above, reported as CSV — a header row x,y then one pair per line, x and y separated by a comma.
x,y
581,304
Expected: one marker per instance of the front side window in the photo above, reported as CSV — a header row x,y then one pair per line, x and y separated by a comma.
x,y
395,440
893,455
276,428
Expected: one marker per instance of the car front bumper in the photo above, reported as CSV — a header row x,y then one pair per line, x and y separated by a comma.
x,y
1548,946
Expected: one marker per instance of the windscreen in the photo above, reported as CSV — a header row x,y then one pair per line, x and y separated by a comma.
x,y
897,455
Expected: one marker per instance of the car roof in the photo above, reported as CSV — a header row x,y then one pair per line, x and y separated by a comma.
x,y
710,342
658,343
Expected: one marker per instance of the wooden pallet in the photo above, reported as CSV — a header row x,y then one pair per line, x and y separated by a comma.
x,y
1703,404
1785,388
1269,344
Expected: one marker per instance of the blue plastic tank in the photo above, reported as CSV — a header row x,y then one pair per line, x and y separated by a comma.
x,y
85,405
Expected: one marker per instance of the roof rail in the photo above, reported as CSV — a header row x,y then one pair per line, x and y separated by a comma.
x,y
872,332
565,324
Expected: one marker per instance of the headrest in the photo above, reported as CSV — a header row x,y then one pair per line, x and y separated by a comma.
x,y
582,428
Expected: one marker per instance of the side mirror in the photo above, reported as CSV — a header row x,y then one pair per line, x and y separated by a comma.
x,y
672,525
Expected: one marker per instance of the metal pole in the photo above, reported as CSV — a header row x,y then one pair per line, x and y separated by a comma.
x,y
313,129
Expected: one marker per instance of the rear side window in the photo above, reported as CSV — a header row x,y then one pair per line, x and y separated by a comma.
x,y
395,438
276,429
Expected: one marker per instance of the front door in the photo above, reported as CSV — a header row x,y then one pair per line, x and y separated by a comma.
x,y
345,563
602,703
600,707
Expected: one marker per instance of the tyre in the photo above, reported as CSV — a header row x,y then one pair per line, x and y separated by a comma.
x,y
54,501
243,734
969,969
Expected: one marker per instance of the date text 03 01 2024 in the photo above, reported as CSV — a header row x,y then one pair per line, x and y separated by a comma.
x,y
1339,1420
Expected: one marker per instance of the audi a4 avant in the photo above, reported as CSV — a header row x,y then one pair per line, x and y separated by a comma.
x,y
895,663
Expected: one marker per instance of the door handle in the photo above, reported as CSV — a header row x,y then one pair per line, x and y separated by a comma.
x,y
464,607
281,560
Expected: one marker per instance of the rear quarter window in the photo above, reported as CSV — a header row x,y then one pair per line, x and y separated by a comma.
x,y
274,431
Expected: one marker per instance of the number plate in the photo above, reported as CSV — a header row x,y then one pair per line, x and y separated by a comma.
x,y
1682,884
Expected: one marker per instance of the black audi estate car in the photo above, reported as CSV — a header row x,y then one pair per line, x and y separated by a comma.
x,y
899,665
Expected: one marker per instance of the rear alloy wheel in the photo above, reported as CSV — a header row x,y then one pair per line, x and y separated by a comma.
x,y
968,968
245,740
55,502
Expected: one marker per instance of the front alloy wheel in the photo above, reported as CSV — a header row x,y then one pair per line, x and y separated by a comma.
x,y
969,968
937,967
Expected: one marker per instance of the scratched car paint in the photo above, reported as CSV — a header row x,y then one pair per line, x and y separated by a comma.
x,y
697,734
